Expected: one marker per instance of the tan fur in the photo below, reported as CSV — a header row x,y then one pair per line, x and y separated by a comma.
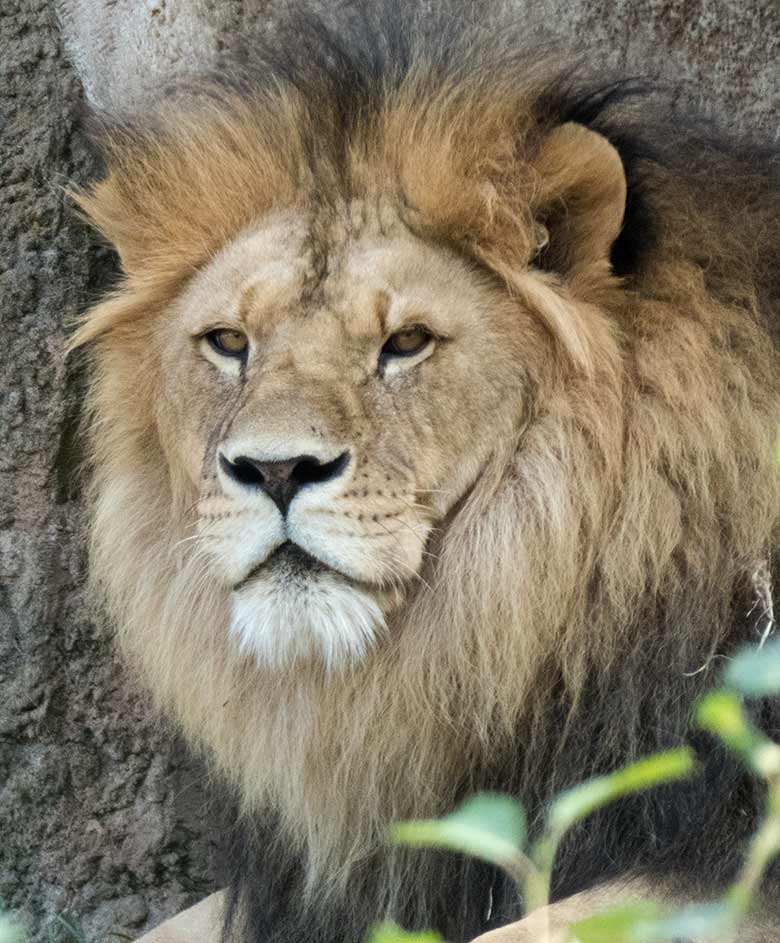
x,y
528,457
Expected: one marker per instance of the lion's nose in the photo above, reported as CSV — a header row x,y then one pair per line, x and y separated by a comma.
x,y
282,480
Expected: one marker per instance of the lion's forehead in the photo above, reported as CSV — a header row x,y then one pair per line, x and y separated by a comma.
x,y
265,263
365,269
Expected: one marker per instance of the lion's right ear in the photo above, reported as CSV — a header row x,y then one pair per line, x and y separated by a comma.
x,y
109,206
111,202
143,202
582,199
140,206
114,313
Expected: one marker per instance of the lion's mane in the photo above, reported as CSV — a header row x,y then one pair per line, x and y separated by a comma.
x,y
581,596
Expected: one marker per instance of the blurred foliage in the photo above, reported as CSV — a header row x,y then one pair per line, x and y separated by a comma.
x,y
492,827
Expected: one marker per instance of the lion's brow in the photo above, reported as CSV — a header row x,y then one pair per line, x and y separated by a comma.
x,y
382,309
245,302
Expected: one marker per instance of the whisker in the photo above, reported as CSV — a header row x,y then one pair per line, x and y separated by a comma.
x,y
414,573
395,580
184,540
195,538
414,505
413,532
398,561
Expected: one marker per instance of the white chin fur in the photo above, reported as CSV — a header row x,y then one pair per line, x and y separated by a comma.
x,y
321,617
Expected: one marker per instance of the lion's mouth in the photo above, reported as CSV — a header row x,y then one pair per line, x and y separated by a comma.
x,y
290,559
290,564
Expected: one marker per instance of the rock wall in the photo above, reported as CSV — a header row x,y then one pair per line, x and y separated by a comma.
x,y
103,817
100,813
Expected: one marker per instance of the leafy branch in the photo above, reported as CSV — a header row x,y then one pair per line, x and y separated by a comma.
x,y
492,827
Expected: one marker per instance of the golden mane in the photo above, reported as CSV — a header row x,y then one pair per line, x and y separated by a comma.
x,y
601,557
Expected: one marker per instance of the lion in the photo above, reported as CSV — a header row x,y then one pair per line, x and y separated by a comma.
x,y
432,430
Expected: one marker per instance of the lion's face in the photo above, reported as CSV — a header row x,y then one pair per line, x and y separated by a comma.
x,y
333,391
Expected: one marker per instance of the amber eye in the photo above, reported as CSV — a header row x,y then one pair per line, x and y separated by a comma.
x,y
228,343
406,343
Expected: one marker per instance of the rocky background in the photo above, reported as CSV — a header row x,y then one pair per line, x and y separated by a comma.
x,y
104,820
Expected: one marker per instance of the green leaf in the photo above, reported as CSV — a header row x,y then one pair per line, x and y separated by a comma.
x,y
617,924
697,922
576,803
647,922
756,671
722,714
391,933
488,826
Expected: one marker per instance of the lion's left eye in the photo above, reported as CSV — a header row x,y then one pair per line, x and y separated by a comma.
x,y
406,343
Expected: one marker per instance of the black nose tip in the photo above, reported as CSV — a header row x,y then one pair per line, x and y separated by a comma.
x,y
282,480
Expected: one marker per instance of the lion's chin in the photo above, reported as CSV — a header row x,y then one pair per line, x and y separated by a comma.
x,y
284,615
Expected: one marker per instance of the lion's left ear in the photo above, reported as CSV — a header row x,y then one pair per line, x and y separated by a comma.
x,y
582,199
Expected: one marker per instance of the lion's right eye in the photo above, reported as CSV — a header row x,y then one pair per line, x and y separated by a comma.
x,y
227,342
406,343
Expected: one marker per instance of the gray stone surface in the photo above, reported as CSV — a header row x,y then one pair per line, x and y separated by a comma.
x,y
99,813
102,816
721,54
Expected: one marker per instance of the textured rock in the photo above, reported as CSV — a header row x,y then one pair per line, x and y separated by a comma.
x,y
721,54
101,813
97,814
